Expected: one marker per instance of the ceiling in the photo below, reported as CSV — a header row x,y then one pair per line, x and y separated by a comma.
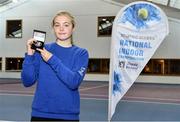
x,y
5,2
171,12
124,1
9,4
2,1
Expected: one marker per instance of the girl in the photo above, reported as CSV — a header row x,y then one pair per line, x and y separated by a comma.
x,y
58,70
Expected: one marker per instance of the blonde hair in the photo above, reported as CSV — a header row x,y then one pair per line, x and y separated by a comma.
x,y
64,13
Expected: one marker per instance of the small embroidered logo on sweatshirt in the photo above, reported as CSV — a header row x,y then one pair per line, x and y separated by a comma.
x,y
81,71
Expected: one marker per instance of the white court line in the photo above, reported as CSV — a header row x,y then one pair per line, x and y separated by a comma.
x,y
143,98
97,95
7,121
87,98
27,92
139,101
84,89
148,102
136,101
9,94
155,98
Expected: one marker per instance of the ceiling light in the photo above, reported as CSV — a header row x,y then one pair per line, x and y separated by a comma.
x,y
14,1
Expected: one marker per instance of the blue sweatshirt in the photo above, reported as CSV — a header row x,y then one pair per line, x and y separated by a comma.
x,y
58,80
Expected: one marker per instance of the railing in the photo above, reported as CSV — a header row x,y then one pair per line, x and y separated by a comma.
x,y
170,3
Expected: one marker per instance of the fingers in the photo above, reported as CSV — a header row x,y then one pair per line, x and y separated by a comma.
x,y
29,43
40,50
46,55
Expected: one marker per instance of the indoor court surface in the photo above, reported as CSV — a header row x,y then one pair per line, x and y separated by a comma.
x,y
143,102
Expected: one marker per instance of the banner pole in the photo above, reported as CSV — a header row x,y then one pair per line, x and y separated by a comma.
x,y
109,103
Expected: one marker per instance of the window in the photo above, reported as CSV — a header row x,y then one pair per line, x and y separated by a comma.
x,y
105,25
148,68
98,66
94,66
158,66
0,63
154,67
105,65
174,67
14,29
14,64
162,67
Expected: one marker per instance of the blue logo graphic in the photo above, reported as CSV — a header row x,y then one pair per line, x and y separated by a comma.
x,y
140,15
116,85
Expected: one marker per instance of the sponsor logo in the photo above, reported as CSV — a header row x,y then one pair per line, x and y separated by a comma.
x,y
132,65
121,64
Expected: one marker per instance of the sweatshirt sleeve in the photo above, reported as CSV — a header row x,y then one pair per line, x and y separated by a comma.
x,y
71,77
30,70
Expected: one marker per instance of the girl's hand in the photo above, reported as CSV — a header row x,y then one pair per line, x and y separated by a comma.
x,y
28,46
46,55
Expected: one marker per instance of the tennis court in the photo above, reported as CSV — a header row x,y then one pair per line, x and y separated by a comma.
x,y
143,102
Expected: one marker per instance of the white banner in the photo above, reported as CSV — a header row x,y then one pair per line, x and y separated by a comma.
x,y
138,30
